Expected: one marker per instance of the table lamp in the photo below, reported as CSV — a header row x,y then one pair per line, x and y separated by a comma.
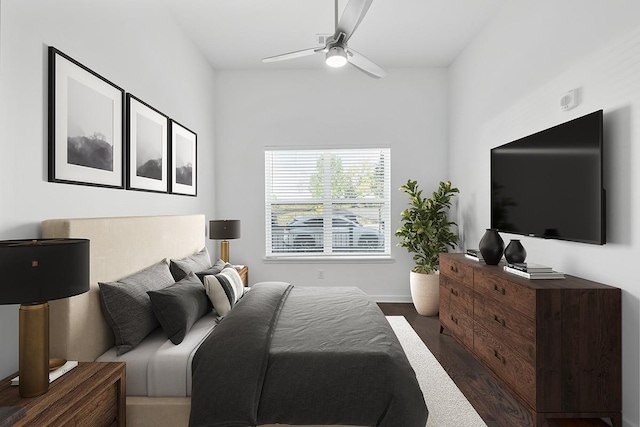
x,y
224,229
33,273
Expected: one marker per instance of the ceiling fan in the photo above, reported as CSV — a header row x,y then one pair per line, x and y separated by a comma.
x,y
336,49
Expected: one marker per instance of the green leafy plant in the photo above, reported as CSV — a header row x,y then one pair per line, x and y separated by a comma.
x,y
426,229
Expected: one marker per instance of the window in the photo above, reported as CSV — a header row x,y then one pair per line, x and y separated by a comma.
x,y
327,203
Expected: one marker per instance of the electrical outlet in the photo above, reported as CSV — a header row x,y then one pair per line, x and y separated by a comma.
x,y
320,274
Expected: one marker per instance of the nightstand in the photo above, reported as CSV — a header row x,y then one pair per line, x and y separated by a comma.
x,y
244,274
90,394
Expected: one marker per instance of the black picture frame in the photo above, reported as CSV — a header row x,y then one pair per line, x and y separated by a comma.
x,y
86,125
184,160
147,147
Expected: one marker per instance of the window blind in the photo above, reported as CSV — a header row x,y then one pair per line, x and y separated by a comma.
x,y
327,202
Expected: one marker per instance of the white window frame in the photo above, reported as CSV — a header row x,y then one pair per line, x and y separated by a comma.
x,y
288,188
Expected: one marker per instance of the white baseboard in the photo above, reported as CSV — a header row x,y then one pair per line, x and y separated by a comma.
x,y
391,298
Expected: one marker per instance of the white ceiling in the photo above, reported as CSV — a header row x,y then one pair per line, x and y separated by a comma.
x,y
237,34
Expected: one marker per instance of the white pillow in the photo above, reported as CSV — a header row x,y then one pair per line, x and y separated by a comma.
x,y
224,289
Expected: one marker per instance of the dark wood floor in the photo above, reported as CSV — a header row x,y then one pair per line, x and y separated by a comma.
x,y
493,403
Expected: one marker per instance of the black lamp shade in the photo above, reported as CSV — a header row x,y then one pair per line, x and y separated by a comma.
x,y
36,271
224,229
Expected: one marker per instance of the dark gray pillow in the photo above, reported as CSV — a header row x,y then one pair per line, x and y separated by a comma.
x,y
209,272
127,306
199,261
179,306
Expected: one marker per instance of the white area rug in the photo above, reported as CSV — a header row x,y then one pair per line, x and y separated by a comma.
x,y
447,405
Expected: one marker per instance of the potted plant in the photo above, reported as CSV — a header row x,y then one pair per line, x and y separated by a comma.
x,y
426,232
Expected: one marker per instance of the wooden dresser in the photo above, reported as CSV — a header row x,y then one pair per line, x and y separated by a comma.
x,y
555,344
91,394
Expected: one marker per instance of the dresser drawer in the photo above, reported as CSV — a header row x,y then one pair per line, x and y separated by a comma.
x,y
514,328
100,410
506,292
456,293
518,373
458,270
460,325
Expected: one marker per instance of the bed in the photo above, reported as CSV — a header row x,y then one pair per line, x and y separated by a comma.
x,y
126,245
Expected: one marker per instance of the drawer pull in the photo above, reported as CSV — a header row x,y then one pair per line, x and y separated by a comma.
x,y
499,290
499,357
453,268
454,319
499,320
454,292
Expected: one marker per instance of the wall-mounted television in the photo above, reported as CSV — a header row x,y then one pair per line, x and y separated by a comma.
x,y
550,184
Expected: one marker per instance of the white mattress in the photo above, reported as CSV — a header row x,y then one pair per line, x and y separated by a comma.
x,y
157,367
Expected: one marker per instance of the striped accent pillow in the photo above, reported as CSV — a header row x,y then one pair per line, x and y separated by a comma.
x,y
224,289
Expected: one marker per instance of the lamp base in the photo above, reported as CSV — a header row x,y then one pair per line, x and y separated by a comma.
x,y
56,363
224,250
34,349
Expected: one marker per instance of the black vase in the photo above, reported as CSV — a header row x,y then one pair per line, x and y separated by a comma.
x,y
515,252
491,247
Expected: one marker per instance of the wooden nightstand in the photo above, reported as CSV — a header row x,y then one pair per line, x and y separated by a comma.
x,y
91,394
244,274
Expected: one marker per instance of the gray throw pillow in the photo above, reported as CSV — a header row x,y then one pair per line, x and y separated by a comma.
x,y
127,306
211,271
199,261
178,306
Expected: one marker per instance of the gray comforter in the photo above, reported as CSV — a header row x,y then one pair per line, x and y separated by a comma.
x,y
296,355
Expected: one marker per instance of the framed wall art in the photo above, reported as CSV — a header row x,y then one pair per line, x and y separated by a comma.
x,y
147,147
86,125
184,160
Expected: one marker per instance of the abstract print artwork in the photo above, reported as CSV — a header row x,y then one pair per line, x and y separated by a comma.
x,y
184,160
147,147
86,125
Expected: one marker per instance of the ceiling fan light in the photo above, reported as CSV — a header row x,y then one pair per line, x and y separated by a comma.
x,y
336,57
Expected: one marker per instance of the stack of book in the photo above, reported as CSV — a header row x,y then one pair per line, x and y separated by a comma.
x,y
531,270
54,374
473,254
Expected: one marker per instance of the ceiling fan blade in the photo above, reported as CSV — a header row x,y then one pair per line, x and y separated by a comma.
x,y
365,65
351,17
292,55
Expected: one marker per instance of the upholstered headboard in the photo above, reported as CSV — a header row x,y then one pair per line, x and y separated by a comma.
x,y
119,247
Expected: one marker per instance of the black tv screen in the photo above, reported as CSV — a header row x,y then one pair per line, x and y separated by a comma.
x,y
549,184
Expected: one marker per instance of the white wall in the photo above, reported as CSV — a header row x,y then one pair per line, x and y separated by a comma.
x,y
136,46
330,108
508,83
